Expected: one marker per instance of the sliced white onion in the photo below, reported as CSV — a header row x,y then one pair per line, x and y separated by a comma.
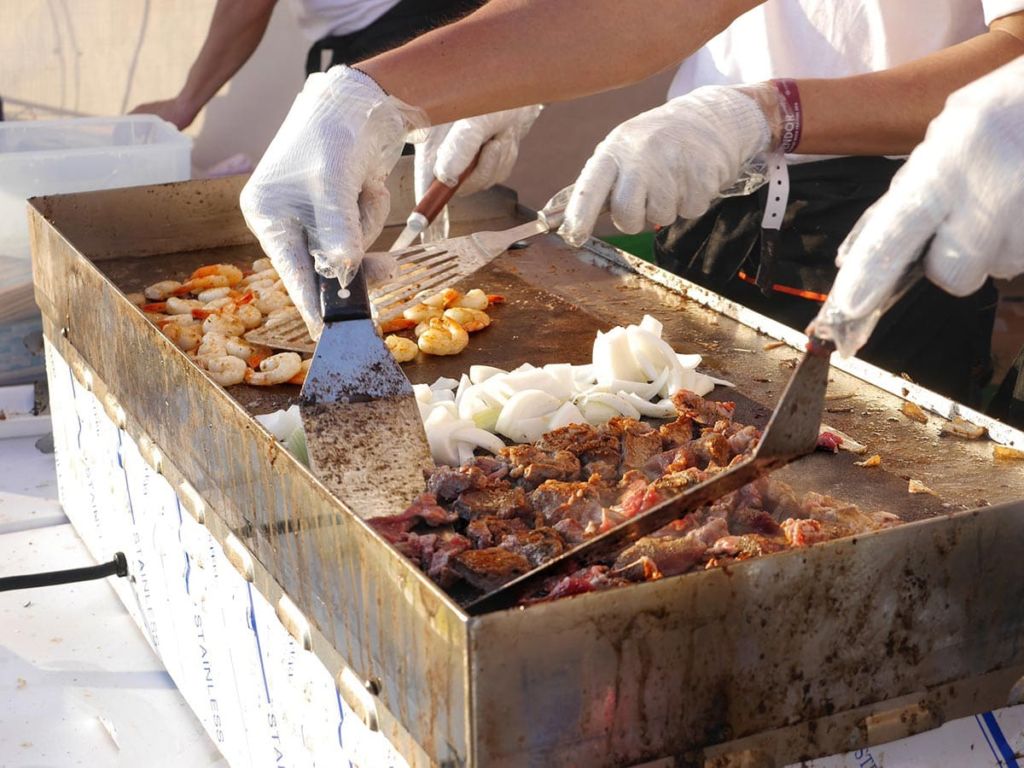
x,y
481,373
564,416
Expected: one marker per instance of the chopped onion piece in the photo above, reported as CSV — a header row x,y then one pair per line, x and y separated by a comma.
x,y
481,373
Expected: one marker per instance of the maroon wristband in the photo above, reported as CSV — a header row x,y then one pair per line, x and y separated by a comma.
x,y
792,114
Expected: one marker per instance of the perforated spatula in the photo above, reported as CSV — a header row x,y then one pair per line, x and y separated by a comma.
x,y
426,268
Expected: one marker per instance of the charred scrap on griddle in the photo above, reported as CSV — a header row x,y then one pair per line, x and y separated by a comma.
x,y
496,517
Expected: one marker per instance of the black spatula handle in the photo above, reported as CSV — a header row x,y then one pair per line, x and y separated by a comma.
x,y
355,306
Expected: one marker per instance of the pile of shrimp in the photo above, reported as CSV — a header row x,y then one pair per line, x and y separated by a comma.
x,y
208,314
441,323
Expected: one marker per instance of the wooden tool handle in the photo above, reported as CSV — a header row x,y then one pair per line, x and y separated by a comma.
x,y
438,194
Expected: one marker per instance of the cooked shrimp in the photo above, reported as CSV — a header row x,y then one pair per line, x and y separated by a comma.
x,y
163,289
155,306
300,377
138,299
230,271
282,315
276,369
443,337
269,274
397,324
179,306
184,336
157,318
215,304
267,302
470,319
226,370
421,327
212,294
474,299
246,314
443,299
420,312
262,264
239,348
401,348
229,325
212,345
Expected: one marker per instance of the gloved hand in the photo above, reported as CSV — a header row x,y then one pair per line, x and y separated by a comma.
x,y
674,160
964,187
320,188
450,148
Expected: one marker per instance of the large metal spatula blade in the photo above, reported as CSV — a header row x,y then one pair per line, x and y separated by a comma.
x,y
364,435
791,433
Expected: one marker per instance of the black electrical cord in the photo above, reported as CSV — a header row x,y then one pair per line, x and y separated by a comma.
x,y
116,567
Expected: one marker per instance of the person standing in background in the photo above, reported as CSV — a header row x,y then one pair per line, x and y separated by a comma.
x,y
341,32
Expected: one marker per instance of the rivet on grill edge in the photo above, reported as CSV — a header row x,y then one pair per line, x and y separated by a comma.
x,y
239,556
115,411
151,454
291,617
357,694
193,502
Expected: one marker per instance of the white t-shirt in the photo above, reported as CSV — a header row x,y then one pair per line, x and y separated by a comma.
x,y
320,18
834,38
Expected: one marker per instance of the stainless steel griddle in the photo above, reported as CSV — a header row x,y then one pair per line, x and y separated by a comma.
x,y
793,651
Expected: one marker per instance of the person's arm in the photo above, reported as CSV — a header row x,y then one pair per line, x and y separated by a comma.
x,y
886,113
235,31
513,53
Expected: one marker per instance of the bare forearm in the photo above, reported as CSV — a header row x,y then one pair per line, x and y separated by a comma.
x,y
887,113
235,32
512,53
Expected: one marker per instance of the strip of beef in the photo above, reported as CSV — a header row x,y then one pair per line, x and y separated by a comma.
x,y
538,546
489,531
730,549
554,501
672,555
424,508
533,466
592,579
497,500
639,442
487,569
677,432
706,412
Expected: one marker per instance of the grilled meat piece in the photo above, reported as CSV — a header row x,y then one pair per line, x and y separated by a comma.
x,y
432,552
498,500
448,482
730,549
675,555
639,442
533,466
643,569
803,533
606,469
710,448
592,579
678,432
584,441
424,508
487,569
632,494
538,546
749,520
703,411
555,500
743,440
489,531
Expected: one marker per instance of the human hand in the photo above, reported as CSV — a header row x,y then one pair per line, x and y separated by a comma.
x,y
671,161
319,198
449,149
174,111
962,188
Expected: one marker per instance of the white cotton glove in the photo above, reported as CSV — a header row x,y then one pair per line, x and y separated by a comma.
x,y
673,160
449,149
964,187
320,188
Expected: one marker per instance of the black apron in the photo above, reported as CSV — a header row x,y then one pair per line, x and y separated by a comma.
x,y
407,20
1008,403
939,341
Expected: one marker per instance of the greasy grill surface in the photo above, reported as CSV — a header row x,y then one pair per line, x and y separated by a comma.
x,y
538,326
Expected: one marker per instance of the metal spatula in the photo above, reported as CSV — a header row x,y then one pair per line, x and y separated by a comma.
x,y
424,269
364,435
792,432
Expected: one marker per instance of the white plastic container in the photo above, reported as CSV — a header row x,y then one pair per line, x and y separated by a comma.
x,y
45,157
